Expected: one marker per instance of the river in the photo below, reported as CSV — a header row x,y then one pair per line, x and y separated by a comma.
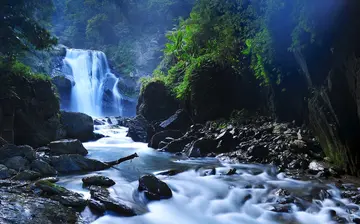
x,y
251,196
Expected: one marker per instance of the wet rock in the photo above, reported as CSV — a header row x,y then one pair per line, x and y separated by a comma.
x,y
280,208
51,188
75,163
225,141
161,136
27,175
299,146
97,207
179,121
153,188
258,151
98,181
170,172
8,151
177,145
17,163
61,194
202,147
42,167
231,172
43,149
77,125
139,129
74,200
337,218
50,179
2,142
23,208
98,136
99,122
67,146
164,143
102,195
356,221
280,128
5,172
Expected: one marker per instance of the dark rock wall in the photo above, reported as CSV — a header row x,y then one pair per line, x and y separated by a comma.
x,y
37,113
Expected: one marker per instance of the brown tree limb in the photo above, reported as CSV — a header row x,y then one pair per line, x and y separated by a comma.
x,y
116,162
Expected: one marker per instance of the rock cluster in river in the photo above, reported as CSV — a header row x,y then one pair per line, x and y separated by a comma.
x,y
255,139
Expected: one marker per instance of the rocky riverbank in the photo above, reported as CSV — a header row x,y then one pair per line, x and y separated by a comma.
x,y
248,140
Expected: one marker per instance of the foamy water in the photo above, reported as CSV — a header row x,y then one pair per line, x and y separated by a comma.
x,y
246,197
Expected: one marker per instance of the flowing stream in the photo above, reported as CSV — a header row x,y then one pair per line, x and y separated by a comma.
x,y
250,196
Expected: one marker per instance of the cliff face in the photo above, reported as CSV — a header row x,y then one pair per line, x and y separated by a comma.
x,y
32,115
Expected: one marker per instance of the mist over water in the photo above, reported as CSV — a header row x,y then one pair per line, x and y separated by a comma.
x,y
91,74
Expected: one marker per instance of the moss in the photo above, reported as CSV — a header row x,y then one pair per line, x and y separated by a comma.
x,y
49,187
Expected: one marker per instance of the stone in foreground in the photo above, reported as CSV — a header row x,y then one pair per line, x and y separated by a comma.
x,y
98,180
28,209
67,146
153,188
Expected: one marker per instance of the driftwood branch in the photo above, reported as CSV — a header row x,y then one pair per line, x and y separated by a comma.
x,y
121,160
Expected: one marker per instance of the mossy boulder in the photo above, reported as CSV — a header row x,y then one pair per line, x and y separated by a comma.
x,y
156,102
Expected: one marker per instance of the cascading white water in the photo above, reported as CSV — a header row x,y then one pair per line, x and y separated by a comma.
x,y
255,194
90,71
117,97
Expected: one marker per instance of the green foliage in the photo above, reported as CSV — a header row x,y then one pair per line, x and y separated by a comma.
x,y
19,26
209,35
256,35
10,67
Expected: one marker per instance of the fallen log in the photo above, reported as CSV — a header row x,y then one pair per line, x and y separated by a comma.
x,y
121,160
66,164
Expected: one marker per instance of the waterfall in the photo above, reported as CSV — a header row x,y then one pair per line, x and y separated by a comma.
x,y
92,77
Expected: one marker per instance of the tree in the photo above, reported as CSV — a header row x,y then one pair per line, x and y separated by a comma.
x,y
19,26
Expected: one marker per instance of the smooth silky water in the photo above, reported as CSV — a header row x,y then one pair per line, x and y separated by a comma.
x,y
197,198
91,73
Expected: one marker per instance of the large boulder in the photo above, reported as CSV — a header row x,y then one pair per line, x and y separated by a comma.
x,y
103,196
156,102
202,147
67,146
27,175
17,163
61,194
31,209
153,188
8,151
78,125
75,163
42,167
161,136
98,180
6,172
179,121
37,120
139,129
178,145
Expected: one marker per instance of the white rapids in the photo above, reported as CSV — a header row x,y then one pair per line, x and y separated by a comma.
x,y
248,197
